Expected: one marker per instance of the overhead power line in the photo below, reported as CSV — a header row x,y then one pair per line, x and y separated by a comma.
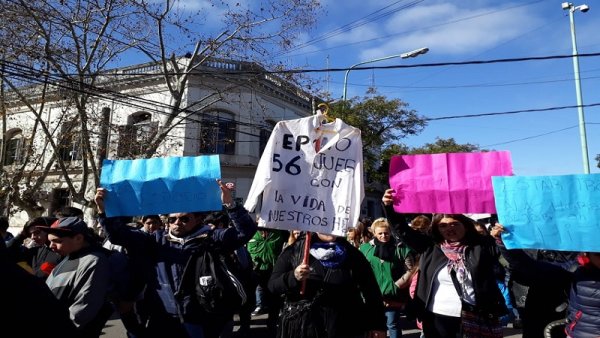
x,y
418,65
509,112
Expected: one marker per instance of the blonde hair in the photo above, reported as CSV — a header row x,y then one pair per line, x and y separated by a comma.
x,y
381,222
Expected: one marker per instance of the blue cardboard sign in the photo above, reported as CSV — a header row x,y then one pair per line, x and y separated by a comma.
x,y
549,212
161,185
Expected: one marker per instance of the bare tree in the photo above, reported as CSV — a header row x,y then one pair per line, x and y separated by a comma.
x,y
62,51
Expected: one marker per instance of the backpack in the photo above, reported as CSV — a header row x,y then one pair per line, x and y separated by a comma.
x,y
216,288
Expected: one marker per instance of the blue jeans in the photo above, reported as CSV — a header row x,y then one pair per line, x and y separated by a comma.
x,y
393,323
259,296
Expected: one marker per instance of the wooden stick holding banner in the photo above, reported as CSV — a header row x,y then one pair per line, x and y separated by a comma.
x,y
305,258
307,238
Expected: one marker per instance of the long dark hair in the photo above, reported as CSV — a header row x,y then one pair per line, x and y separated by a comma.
x,y
470,231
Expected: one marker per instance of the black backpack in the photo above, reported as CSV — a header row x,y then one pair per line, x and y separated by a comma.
x,y
217,289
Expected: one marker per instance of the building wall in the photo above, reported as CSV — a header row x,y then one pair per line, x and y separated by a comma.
x,y
251,106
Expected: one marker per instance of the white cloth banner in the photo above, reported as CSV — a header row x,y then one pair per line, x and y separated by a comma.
x,y
305,189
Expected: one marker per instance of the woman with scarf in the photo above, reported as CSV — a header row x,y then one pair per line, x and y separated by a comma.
x,y
337,281
393,265
457,294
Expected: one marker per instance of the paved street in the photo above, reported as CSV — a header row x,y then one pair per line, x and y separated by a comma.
x,y
114,329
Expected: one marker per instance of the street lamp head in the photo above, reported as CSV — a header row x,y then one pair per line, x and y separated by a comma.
x,y
569,6
583,8
414,53
566,5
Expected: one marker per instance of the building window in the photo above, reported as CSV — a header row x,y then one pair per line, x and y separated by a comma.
x,y
14,151
265,134
217,131
69,142
135,137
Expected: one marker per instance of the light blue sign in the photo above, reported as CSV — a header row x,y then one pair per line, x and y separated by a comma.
x,y
161,185
549,212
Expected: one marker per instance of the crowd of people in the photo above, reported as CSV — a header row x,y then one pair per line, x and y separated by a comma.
x,y
449,273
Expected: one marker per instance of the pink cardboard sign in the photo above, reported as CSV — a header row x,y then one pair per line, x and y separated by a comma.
x,y
447,183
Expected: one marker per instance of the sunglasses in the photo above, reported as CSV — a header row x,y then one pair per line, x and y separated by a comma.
x,y
183,219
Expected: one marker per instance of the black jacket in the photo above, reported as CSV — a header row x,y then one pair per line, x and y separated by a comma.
x,y
481,257
584,304
350,302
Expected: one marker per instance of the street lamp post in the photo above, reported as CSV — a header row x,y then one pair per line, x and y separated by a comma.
x,y
410,54
584,150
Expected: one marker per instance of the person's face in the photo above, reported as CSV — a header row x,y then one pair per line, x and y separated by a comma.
x,y
65,246
382,234
38,236
152,224
451,229
296,233
183,223
351,234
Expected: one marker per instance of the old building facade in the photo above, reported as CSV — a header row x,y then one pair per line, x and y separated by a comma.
x,y
230,110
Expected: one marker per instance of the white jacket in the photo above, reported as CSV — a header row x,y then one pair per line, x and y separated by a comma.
x,y
303,189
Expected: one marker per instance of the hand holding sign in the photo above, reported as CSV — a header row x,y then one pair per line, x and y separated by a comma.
x,y
447,183
161,185
226,192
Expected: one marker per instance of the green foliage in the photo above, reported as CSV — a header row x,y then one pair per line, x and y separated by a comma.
x,y
438,147
383,122
444,146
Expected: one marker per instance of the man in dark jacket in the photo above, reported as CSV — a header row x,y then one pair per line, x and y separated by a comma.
x,y
173,309
30,307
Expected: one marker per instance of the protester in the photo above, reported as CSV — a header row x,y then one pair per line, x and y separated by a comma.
x,y
456,292
294,235
421,223
240,264
68,211
340,284
82,279
264,248
564,284
352,237
30,308
173,309
37,254
501,276
393,265
152,223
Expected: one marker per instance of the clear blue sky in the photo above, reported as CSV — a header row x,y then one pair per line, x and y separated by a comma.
x,y
541,143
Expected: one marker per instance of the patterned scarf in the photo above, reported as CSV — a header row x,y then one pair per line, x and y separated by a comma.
x,y
330,254
455,251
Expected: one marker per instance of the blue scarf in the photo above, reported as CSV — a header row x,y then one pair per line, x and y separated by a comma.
x,y
330,254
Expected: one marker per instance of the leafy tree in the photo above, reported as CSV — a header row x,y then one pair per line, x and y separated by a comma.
x,y
383,122
444,146
438,147
61,51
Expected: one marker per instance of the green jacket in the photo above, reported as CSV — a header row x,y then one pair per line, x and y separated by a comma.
x,y
386,273
265,246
